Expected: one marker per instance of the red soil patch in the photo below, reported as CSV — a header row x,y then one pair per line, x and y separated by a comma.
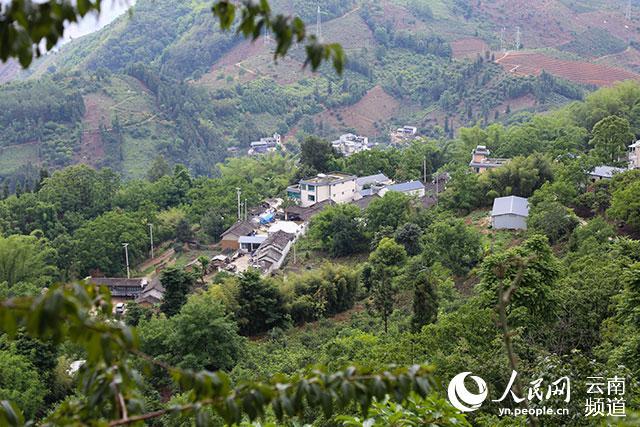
x,y
523,63
468,47
613,22
96,113
543,23
375,106
402,18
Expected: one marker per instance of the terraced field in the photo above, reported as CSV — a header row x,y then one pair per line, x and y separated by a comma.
x,y
527,63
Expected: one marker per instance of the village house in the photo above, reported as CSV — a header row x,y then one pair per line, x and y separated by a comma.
x,y
151,295
122,289
335,186
403,134
411,188
273,251
510,213
480,160
634,155
349,144
604,172
266,145
304,214
231,237
372,184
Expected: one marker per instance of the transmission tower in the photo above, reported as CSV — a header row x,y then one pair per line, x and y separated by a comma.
x,y
319,25
503,47
518,38
267,36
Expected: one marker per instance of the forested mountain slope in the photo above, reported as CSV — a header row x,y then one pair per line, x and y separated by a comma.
x,y
164,80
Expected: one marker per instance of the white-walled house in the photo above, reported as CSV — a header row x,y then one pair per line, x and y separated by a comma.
x,y
335,186
510,213
634,155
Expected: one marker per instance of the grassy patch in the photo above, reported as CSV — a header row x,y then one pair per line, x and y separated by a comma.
x,y
11,158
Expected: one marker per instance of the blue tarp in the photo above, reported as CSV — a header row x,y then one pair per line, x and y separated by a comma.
x,y
266,218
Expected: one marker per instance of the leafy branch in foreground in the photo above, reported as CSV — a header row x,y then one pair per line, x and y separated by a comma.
x,y
25,24
111,384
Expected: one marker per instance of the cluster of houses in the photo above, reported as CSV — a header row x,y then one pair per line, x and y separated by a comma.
x,y
481,162
349,144
265,239
266,145
339,187
403,135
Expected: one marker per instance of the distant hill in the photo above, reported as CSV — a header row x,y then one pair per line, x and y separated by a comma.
x,y
164,80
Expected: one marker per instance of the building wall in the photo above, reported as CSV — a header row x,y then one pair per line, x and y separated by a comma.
x,y
230,242
634,158
509,222
278,264
343,192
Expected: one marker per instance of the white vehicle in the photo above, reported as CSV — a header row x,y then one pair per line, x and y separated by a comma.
x,y
120,308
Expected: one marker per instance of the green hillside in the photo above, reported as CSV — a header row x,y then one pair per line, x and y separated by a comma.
x,y
163,80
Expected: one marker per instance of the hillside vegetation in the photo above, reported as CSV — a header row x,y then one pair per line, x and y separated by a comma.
x,y
396,283
163,80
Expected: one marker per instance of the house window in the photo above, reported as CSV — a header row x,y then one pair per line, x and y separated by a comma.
x,y
311,188
312,198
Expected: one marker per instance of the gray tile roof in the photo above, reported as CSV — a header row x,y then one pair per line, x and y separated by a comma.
x,y
406,186
510,205
371,179
605,171
242,228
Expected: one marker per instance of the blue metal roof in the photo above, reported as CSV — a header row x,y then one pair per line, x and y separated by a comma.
x,y
510,205
406,186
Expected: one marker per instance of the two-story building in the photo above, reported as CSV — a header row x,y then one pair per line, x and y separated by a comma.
x,y
480,160
335,186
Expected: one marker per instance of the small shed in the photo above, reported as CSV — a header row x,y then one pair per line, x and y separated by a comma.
x,y
510,213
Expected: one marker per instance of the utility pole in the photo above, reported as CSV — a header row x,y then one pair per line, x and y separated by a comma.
x,y
151,236
518,38
503,47
126,257
628,13
246,213
239,211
